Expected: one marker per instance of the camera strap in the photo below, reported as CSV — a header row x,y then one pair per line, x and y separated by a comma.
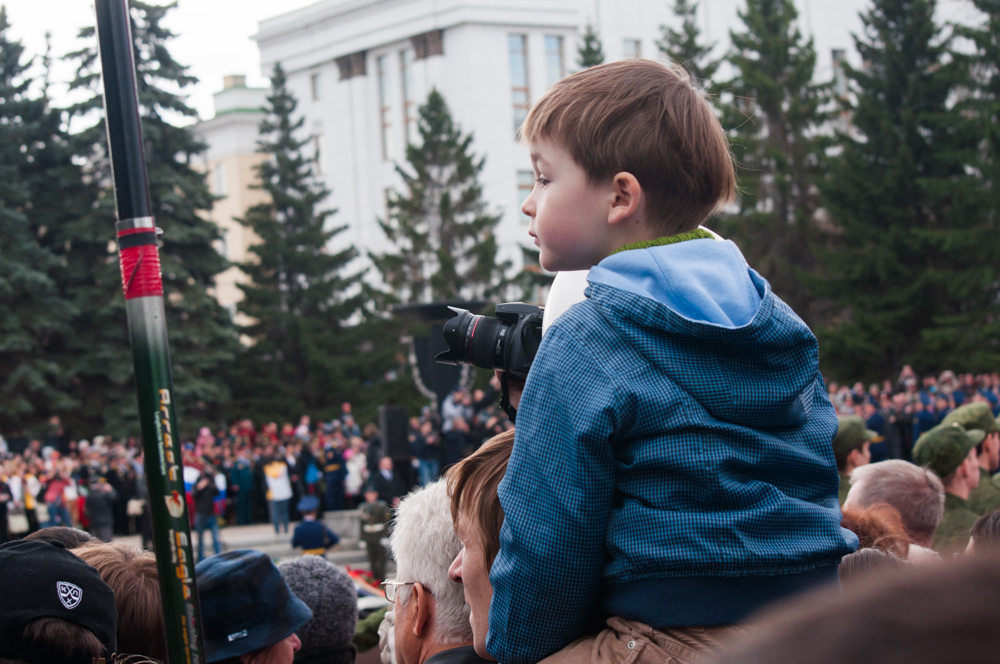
x,y
505,400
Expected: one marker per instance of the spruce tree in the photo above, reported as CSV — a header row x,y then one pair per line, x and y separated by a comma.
x,y
684,46
31,311
590,52
440,227
301,293
773,119
914,266
202,338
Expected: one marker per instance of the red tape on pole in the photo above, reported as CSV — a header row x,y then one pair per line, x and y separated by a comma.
x,y
140,268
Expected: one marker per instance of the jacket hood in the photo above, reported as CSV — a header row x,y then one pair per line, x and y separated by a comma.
x,y
751,360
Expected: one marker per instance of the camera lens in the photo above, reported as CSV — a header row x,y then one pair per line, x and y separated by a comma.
x,y
475,340
485,345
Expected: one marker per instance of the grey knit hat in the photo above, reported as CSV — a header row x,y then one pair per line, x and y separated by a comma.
x,y
329,591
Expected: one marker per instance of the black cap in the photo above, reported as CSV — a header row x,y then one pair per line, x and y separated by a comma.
x,y
43,580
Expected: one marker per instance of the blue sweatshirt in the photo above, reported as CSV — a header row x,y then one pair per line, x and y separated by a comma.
x,y
672,463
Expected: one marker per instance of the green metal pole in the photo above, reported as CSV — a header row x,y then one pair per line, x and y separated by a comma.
x,y
142,282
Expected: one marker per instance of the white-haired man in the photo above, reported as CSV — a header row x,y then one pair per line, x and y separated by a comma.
x,y
915,492
431,617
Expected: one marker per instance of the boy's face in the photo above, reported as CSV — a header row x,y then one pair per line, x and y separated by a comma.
x,y
569,215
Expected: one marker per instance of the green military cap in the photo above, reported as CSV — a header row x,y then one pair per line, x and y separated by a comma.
x,y
944,448
851,434
976,415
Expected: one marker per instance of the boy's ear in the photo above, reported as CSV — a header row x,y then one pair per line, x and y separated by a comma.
x,y
627,199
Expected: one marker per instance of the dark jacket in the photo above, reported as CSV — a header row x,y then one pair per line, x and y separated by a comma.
x,y
310,535
462,655
388,490
204,498
100,507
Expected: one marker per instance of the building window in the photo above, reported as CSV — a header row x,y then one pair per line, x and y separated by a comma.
x,y
353,64
518,45
319,154
219,175
554,66
428,43
406,60
525,183
222,245
631,48
382,67
314,86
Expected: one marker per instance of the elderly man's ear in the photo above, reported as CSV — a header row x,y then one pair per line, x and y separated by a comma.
x,y
420,611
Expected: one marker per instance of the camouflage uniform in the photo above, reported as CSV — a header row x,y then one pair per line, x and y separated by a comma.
x,y
977,415
943,449
986,497
953,533
375,519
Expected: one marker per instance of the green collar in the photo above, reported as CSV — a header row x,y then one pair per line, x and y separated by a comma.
x,y
696,234
953,501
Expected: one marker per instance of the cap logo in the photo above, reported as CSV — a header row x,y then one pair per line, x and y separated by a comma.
x,y
237,635
69,594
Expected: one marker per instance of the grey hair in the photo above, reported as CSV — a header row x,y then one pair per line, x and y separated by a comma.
x,y
424,545
916,493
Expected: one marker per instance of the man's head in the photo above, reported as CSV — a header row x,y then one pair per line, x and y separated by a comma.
x,y
950,451
131,574
915,492
478,516
330,593
70,537
371,494
53,606
308,506
626,145
851,444
978,415
431,615
985,534
385,463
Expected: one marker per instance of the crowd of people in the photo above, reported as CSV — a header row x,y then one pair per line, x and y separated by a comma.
x,y
899,411
445,538
239,475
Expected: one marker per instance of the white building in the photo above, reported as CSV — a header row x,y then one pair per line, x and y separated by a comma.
x,y
231,137
360,69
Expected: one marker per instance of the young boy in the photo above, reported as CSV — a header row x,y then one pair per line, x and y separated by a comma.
x,y
672,466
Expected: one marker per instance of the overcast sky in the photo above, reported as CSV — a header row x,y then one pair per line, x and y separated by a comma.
x,y
213,37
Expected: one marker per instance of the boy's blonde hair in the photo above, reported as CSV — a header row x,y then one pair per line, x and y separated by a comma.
x,y
647,119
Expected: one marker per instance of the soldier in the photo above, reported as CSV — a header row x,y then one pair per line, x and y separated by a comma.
x,y
375,517
312,535
950,451
851,448
977,415
334,472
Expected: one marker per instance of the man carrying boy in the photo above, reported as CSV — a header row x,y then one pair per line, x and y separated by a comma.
x,y
672,466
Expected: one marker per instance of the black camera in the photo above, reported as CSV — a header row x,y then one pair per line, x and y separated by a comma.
x,y
508,342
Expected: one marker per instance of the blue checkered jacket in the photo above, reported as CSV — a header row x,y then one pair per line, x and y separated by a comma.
x,y
665,469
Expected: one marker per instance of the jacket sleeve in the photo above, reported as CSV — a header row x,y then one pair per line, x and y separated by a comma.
x,y
556,496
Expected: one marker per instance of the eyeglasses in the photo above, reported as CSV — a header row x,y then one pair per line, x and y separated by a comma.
x,y
390,586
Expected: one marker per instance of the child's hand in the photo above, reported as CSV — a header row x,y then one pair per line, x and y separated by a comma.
x,y
515,386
